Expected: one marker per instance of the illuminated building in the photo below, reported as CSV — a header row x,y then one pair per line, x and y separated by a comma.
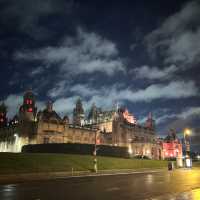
x,y
140,139
117,127
130,118
172,147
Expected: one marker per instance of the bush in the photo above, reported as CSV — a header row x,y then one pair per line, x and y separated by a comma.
x,y
142,157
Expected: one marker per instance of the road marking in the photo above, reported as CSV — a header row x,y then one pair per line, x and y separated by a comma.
x,y
110,174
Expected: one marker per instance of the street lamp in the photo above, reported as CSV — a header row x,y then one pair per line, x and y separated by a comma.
x,y
187,133
95,152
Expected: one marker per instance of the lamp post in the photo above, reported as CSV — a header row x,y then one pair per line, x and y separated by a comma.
x,y
187,133
95,152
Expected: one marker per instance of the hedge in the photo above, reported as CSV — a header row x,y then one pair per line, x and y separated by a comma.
x,y
76,148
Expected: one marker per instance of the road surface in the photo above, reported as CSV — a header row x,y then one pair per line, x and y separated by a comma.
x,y
176,185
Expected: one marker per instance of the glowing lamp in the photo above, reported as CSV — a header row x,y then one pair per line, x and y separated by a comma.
x,y
187,131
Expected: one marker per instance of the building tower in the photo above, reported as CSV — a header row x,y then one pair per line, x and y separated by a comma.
x,y
3,115
78,114
150,122
93,114
28,110
49,107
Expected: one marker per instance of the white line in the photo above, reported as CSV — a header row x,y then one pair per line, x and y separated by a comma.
x,y
111,174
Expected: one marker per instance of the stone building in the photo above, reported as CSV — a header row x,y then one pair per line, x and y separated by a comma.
x,y
51,128
114,127
140,140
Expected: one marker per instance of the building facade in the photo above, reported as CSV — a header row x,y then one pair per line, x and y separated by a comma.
x,y
172,147
116,127
140,140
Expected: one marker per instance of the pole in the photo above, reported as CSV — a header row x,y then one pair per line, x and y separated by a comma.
x,y
187,145
95,153
187,148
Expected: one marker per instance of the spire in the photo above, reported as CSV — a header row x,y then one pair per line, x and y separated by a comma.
x,y
150,122
78,114
49,106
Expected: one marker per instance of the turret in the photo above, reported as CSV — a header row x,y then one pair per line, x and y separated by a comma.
x,y
150,122
93,114
78,114
28,110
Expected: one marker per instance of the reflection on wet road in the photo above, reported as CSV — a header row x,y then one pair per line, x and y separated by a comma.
x,y
191,195
177,185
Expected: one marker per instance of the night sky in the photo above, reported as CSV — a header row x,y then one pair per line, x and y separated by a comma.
x,y
143,55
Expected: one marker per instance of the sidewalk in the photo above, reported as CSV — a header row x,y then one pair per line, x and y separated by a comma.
x,y
43,176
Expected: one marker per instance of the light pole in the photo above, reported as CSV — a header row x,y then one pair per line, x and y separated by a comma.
x,y
187,133
95,152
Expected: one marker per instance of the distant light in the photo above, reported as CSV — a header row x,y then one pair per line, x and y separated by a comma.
x,y
187,131
130,151
148,151
16,135
198,157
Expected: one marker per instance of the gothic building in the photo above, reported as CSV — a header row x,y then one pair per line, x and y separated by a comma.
x,y
113,127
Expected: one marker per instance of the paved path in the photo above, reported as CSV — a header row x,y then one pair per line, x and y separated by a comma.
x,y
177,185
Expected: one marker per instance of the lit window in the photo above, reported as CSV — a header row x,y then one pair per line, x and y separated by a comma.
x,y
30,110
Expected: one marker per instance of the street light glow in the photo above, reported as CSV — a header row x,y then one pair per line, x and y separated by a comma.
x,y
187,131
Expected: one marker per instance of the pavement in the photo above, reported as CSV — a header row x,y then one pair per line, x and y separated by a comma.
x,y
179,184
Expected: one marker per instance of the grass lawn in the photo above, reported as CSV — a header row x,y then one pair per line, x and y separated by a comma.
x,y
11,163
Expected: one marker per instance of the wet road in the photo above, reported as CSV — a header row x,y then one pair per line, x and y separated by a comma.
x,y
178,185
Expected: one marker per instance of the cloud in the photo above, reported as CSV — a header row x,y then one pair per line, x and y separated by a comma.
x,y
36,71
84,90
65,105
107,95
173,90
58,90
85,53
177,38
189,112
179,121
13,103
27,15
154,72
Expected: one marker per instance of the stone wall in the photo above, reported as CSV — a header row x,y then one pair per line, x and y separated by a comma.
x,y
64,133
